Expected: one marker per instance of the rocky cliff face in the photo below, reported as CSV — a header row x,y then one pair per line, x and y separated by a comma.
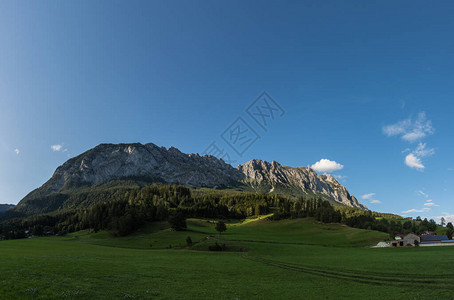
x,y
260,173
150,163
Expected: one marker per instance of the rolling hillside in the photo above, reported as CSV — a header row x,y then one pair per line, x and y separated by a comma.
x,y
264,260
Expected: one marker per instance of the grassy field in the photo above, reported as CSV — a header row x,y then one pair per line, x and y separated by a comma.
x,y
289,259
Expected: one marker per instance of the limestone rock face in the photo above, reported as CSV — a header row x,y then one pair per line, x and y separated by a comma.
x,y
108,162
303,178
150,163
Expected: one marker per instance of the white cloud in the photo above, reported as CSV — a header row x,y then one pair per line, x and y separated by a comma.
x,y
17,151
414,162
413,136
56,147
413,211
397,129
421,193
340,178
326,165
368,196
447,216
430,203
411,130
406,150
421,150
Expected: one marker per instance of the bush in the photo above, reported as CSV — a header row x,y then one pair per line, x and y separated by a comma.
x,y
217,247
220,227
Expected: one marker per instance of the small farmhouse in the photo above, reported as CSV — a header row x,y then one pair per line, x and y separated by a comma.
x,y
410,239
396,243
405,240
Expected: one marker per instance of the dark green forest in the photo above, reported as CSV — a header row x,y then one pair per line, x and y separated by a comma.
x,y
123,211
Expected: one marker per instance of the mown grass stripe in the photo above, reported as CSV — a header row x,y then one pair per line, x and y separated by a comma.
x,y
351,276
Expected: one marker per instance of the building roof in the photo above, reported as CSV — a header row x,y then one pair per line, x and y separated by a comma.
x,y
428,233
439,242
411,235
433,238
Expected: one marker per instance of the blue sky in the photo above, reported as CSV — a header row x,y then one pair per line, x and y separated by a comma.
x,y
366,86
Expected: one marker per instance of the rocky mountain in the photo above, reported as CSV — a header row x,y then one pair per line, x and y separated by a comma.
x,y
147,162
263,176
152,164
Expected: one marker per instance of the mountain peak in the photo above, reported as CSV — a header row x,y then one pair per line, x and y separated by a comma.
x,y
302,180
150,163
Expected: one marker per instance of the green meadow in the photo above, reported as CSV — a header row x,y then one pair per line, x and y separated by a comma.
x,y
287,259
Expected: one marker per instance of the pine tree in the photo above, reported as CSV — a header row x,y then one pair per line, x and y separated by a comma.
x,y
220,227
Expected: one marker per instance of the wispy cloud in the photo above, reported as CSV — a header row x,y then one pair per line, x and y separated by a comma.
x,y
422,151
427,205
368,196
448,217
421,193
340,178
406,150
413,210
56,148
326,166
430,203
411,130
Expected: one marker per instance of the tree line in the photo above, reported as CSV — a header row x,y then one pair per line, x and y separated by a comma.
x,y
125,212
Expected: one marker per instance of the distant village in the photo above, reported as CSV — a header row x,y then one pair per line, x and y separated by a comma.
x,y
426,239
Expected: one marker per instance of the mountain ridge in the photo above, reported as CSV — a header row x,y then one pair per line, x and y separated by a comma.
x,y
154,164
302,178
5,207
